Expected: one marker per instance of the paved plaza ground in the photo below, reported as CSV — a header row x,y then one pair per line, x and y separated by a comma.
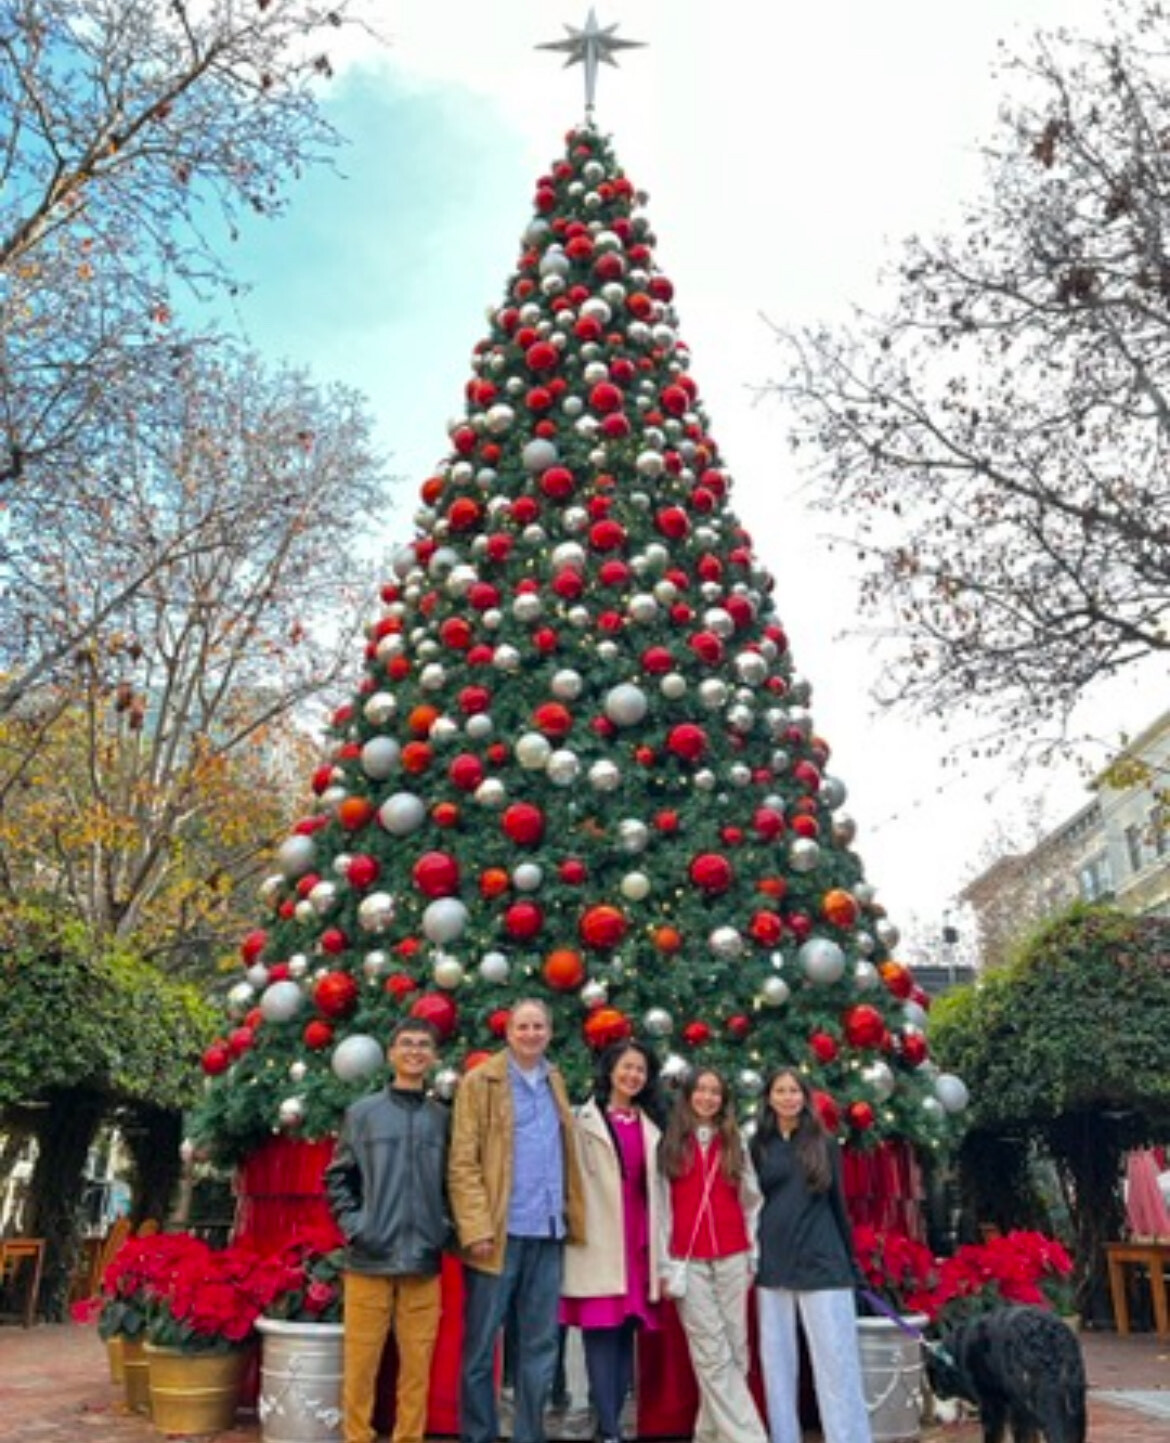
x,y
55,1388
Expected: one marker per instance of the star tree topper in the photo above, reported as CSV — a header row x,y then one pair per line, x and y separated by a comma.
x,y
589,47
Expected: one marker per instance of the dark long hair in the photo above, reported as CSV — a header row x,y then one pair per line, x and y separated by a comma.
x,y
649,1100
810,1140
676,1154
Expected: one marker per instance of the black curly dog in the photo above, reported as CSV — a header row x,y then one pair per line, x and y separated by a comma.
x,y
1020,1366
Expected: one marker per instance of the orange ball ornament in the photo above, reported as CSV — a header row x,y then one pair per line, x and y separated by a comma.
x,y
355,812
564,969
839,907
421,719
605,1025
898,978
667,939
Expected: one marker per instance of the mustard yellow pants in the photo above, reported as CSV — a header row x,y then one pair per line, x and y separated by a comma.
x,y
375,1306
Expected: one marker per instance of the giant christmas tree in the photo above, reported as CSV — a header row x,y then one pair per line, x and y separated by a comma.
x,y
579,764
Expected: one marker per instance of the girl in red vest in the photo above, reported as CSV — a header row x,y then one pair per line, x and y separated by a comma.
x,y
714,1200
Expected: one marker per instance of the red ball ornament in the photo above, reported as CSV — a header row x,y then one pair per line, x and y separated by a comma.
x,y
439,1010
707,647
334,941
766,928
523,919
914,1048
673,522
607,535
455,633
605,397
498,1022
400,985
317,1034
252,946
687,741
863,1026
466,772
362,870
335,994
712,873
436,874
523,824
605,1025
557,483
474,699
216,1059
860,1116
768,823
823,1047
553,719
464,514
738,1026
898,978
573,872
603,926
564,969
695,1034
827,1110
667,822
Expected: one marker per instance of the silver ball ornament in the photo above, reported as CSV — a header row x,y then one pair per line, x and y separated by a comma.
x,y
356,1057
821,960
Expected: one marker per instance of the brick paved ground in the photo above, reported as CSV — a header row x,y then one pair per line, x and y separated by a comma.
x,y
54,1388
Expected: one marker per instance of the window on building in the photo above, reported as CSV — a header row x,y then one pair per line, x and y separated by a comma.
x,y
1159,834
1096,878
1133,847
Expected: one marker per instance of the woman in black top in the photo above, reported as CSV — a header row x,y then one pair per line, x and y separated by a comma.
x,y
806,1266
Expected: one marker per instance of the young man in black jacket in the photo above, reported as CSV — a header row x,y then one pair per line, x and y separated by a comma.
x,y
387,1188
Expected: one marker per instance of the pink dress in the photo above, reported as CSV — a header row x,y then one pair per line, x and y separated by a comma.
x,y
612,1311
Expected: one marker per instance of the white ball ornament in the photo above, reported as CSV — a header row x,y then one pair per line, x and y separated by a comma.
x,y
446,1083
433,677
726,943
643,608
914,1015
649,463
567,685
879,1078
658,1022
402,814
844,829
479,726
447,970
607,650
564,767
951,1091
297,1071
506,658
605,776
356,1058
494,968
887,934
296,855
374,965
444,920
712,693
291,1113
804,854
257,975
379,708
281,1001
528,877
491,793
376,912
751,668
593,994
774,992
500,418
298,965
673,686
538,455
749,1082
303,911
705,779
633,835
833,792
865,976
240,998
533,751
323,897
675,1070
626,705
635,886
933,1109
822,961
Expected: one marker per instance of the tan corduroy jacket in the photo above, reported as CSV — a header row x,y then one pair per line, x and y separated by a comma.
x,y
479,1172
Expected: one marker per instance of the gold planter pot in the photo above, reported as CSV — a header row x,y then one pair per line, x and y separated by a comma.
x,y
135,1376
194,1392
114,1357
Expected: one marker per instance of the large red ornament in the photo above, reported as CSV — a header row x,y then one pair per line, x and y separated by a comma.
x,y
362,870
553,719
605,1025
766,928
914,1048
823,1046
523,824
466,772
335,994
827,1110
436,874
603,926
712,872
898,978
860,1116
334,941
863,1026
695,1034
252,946
439,1010
687,741
523,919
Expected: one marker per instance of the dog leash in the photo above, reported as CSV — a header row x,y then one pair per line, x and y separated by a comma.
x,y
879,1305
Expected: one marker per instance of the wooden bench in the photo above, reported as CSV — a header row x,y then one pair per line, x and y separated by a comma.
x,y
1153,1256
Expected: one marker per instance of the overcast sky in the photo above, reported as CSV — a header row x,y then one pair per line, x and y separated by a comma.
x,y
785,150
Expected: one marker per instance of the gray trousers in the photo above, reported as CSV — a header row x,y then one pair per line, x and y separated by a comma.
x,y
829,1320
714,1315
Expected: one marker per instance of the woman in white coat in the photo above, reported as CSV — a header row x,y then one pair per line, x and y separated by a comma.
x,y
611,1280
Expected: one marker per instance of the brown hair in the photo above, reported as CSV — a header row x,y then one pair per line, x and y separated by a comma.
x,y
810,1141
676,1154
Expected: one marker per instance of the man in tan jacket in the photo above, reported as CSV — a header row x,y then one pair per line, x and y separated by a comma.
x,y
515,1194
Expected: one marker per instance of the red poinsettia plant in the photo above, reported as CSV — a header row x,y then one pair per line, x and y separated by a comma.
x,y
136,1275
302,1283
208,1304
1017,1267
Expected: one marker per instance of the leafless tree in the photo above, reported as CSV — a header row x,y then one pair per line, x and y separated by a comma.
x,y
997,437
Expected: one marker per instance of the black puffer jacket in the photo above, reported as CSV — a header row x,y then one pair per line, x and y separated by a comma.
x,y
387,1183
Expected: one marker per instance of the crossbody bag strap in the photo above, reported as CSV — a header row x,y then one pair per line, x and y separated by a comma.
x,y
708,1180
